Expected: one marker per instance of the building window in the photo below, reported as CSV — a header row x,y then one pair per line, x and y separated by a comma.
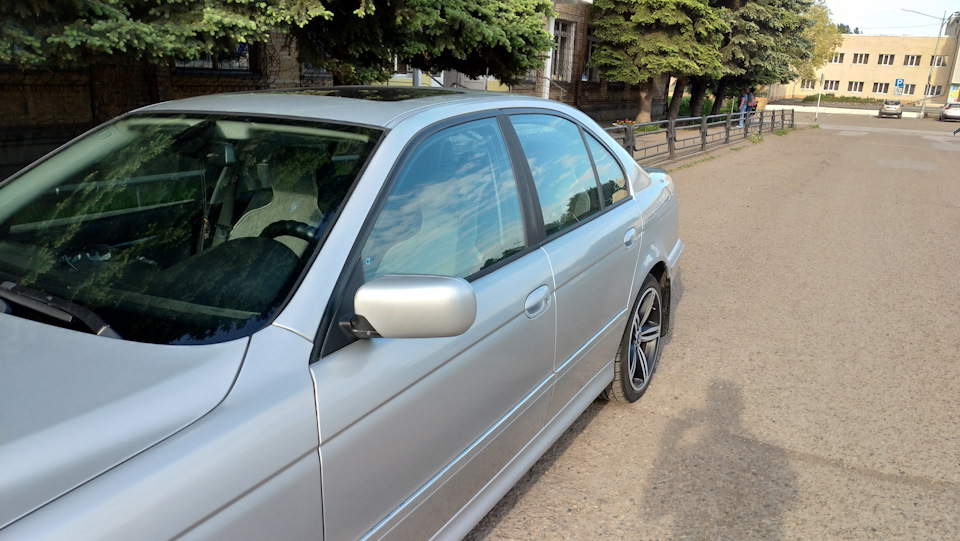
x,y
881,88
562,67
855,86
911,60
238,60
861,58
938,61
885,59
933,90
590,74
837,58
831,85
808,84
908,90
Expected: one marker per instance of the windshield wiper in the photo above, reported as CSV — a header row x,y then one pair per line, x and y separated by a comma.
x,y
56,307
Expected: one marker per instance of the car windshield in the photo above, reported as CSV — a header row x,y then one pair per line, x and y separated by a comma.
x,y
891,102
174,229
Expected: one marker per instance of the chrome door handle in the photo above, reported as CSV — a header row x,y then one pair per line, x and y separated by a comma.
x,y
537,302
630,238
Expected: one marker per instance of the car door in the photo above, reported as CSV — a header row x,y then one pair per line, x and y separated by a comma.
x,y
411,429
592,233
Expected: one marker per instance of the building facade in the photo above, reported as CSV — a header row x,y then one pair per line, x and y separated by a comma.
x,y
887,67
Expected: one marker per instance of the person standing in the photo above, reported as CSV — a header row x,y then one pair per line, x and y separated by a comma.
x,y
743,106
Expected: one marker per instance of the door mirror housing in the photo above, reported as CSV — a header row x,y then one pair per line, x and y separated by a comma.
x,y
414,306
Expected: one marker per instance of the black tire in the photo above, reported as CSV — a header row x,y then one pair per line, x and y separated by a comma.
x,y
639,351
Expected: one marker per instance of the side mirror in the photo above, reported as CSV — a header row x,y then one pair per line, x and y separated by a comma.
x,y
415,306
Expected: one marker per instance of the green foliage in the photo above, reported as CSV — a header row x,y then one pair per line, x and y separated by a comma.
x,y
357,40
755,138
765,44
641,39
845,29
825,37
503,38
75,32
841,99
685,106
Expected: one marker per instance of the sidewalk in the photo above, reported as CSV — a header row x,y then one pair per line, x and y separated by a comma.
x,y
857,109
872,123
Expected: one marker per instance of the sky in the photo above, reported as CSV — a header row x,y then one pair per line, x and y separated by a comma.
x,y
885,17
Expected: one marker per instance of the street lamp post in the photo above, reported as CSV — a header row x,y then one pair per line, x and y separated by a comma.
x,y
936,49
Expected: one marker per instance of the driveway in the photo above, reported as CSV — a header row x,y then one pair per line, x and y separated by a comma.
x,y
810,388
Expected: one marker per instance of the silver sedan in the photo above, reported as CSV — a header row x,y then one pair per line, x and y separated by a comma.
x,y
348,313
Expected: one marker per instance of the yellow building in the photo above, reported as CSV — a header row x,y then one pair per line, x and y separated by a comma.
x,y
882,67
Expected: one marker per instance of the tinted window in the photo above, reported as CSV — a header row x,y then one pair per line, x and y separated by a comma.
x,y
561,169
612,179
454,209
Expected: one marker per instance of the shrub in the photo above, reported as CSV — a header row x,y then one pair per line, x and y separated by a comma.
x,y
685,107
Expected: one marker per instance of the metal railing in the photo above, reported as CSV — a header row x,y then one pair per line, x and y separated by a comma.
x,y
652,142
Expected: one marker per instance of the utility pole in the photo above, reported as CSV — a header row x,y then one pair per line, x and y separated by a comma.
x,y
936,49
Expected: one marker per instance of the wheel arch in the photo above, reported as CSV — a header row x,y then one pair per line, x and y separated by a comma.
x,y
661,273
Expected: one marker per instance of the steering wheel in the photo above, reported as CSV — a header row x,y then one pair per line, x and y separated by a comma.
x,y
289,228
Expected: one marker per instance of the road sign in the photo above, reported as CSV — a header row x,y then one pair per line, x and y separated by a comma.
x,y
898,83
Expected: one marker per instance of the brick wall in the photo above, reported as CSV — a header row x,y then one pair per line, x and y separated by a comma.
x,y
42,109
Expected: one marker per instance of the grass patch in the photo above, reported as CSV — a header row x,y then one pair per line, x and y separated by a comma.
x,y
637,127
691,164
783,131
814,126
755,138
738,148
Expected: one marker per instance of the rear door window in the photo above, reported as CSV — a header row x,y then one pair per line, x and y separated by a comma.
x,y
561,169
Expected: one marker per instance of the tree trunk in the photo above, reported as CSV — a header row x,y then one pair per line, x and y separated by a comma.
x,y
678,88
646,101
718,97
698,89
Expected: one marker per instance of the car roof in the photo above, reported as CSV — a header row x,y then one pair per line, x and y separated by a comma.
x,y
379,106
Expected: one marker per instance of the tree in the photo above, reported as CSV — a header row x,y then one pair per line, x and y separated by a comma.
x,y
357,40
81,32
641,39
764,45
502,38
825,36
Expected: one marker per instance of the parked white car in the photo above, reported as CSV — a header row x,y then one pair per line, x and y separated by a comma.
x,y
950,111
347,313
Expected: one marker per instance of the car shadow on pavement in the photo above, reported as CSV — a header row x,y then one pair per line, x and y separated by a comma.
x,y
493,518
715,481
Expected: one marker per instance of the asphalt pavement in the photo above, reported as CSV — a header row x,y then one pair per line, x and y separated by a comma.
x,y
810,387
